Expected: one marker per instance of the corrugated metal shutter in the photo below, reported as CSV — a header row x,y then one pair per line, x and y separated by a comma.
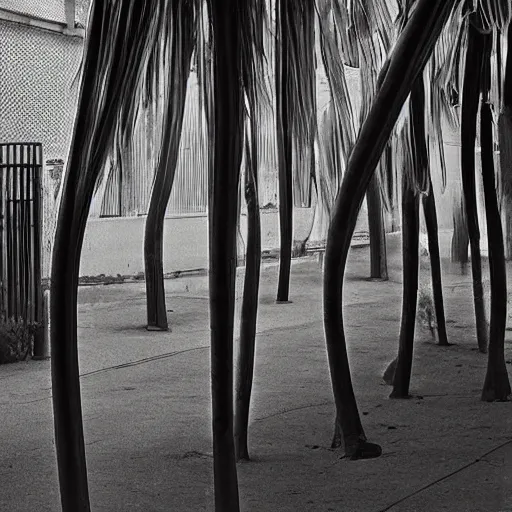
x,y
190,190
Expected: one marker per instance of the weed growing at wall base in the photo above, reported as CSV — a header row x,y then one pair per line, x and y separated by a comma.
x,y
16,340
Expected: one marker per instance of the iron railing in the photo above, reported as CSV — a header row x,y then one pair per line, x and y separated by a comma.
x,y
20,234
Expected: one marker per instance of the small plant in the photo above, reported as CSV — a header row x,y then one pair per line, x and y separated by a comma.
x,y
16,340
424,252
299,248
426,313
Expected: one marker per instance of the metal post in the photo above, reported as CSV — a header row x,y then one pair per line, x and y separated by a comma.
x,y
42,335
41,345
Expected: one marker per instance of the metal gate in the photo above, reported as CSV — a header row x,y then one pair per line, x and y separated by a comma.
x,y
20,233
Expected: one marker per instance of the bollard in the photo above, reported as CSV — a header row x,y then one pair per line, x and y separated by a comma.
x,y
42,336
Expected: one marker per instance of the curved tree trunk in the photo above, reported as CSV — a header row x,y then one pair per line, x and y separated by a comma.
x,y
406,63
284,153
110,75
470,101
250,300
496,384
429,209
377,232
227,151
181,47
410,238
410,262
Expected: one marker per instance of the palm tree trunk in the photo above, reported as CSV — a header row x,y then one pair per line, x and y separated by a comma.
x,y
460,238
228,119
378,259
429,209
410,238
111,72
505,142
407,61
67,406
250,300
181,53
284,153
410,259
393,191
496,384
300,246
240,244
470,100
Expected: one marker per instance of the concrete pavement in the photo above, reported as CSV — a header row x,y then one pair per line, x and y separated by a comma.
x,y
147,413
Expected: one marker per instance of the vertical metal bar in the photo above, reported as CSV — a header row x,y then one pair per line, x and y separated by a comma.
x,y
40,351
15,225
37,235
28,236
22,262
3,256
2,231
9,283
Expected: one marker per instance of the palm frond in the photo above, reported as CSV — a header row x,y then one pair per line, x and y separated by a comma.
x,y
505,125
346,31
105,115
331,161
180,39
296,48
375,37
335,72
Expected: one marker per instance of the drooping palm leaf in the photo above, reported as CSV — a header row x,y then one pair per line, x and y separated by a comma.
x,y
505,127
331,159
297,43
346,31
341,110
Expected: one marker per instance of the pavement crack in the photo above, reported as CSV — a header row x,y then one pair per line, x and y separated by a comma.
x,y
121,366
446,477
284,411
143,361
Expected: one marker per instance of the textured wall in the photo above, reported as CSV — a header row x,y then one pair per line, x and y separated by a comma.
x,y
50,10
37,98
115,246
38,102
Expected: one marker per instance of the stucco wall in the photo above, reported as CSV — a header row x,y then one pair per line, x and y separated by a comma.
x,y
37,95
38,102
114,246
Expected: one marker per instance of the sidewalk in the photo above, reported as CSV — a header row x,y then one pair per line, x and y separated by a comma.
x,y
147,412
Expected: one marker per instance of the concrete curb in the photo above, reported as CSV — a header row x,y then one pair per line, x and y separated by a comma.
x,y
270,256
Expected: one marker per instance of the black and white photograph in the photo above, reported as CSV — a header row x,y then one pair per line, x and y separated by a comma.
x,y
255,255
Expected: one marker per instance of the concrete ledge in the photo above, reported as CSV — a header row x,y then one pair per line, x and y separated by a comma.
x,y
114,246
52,26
